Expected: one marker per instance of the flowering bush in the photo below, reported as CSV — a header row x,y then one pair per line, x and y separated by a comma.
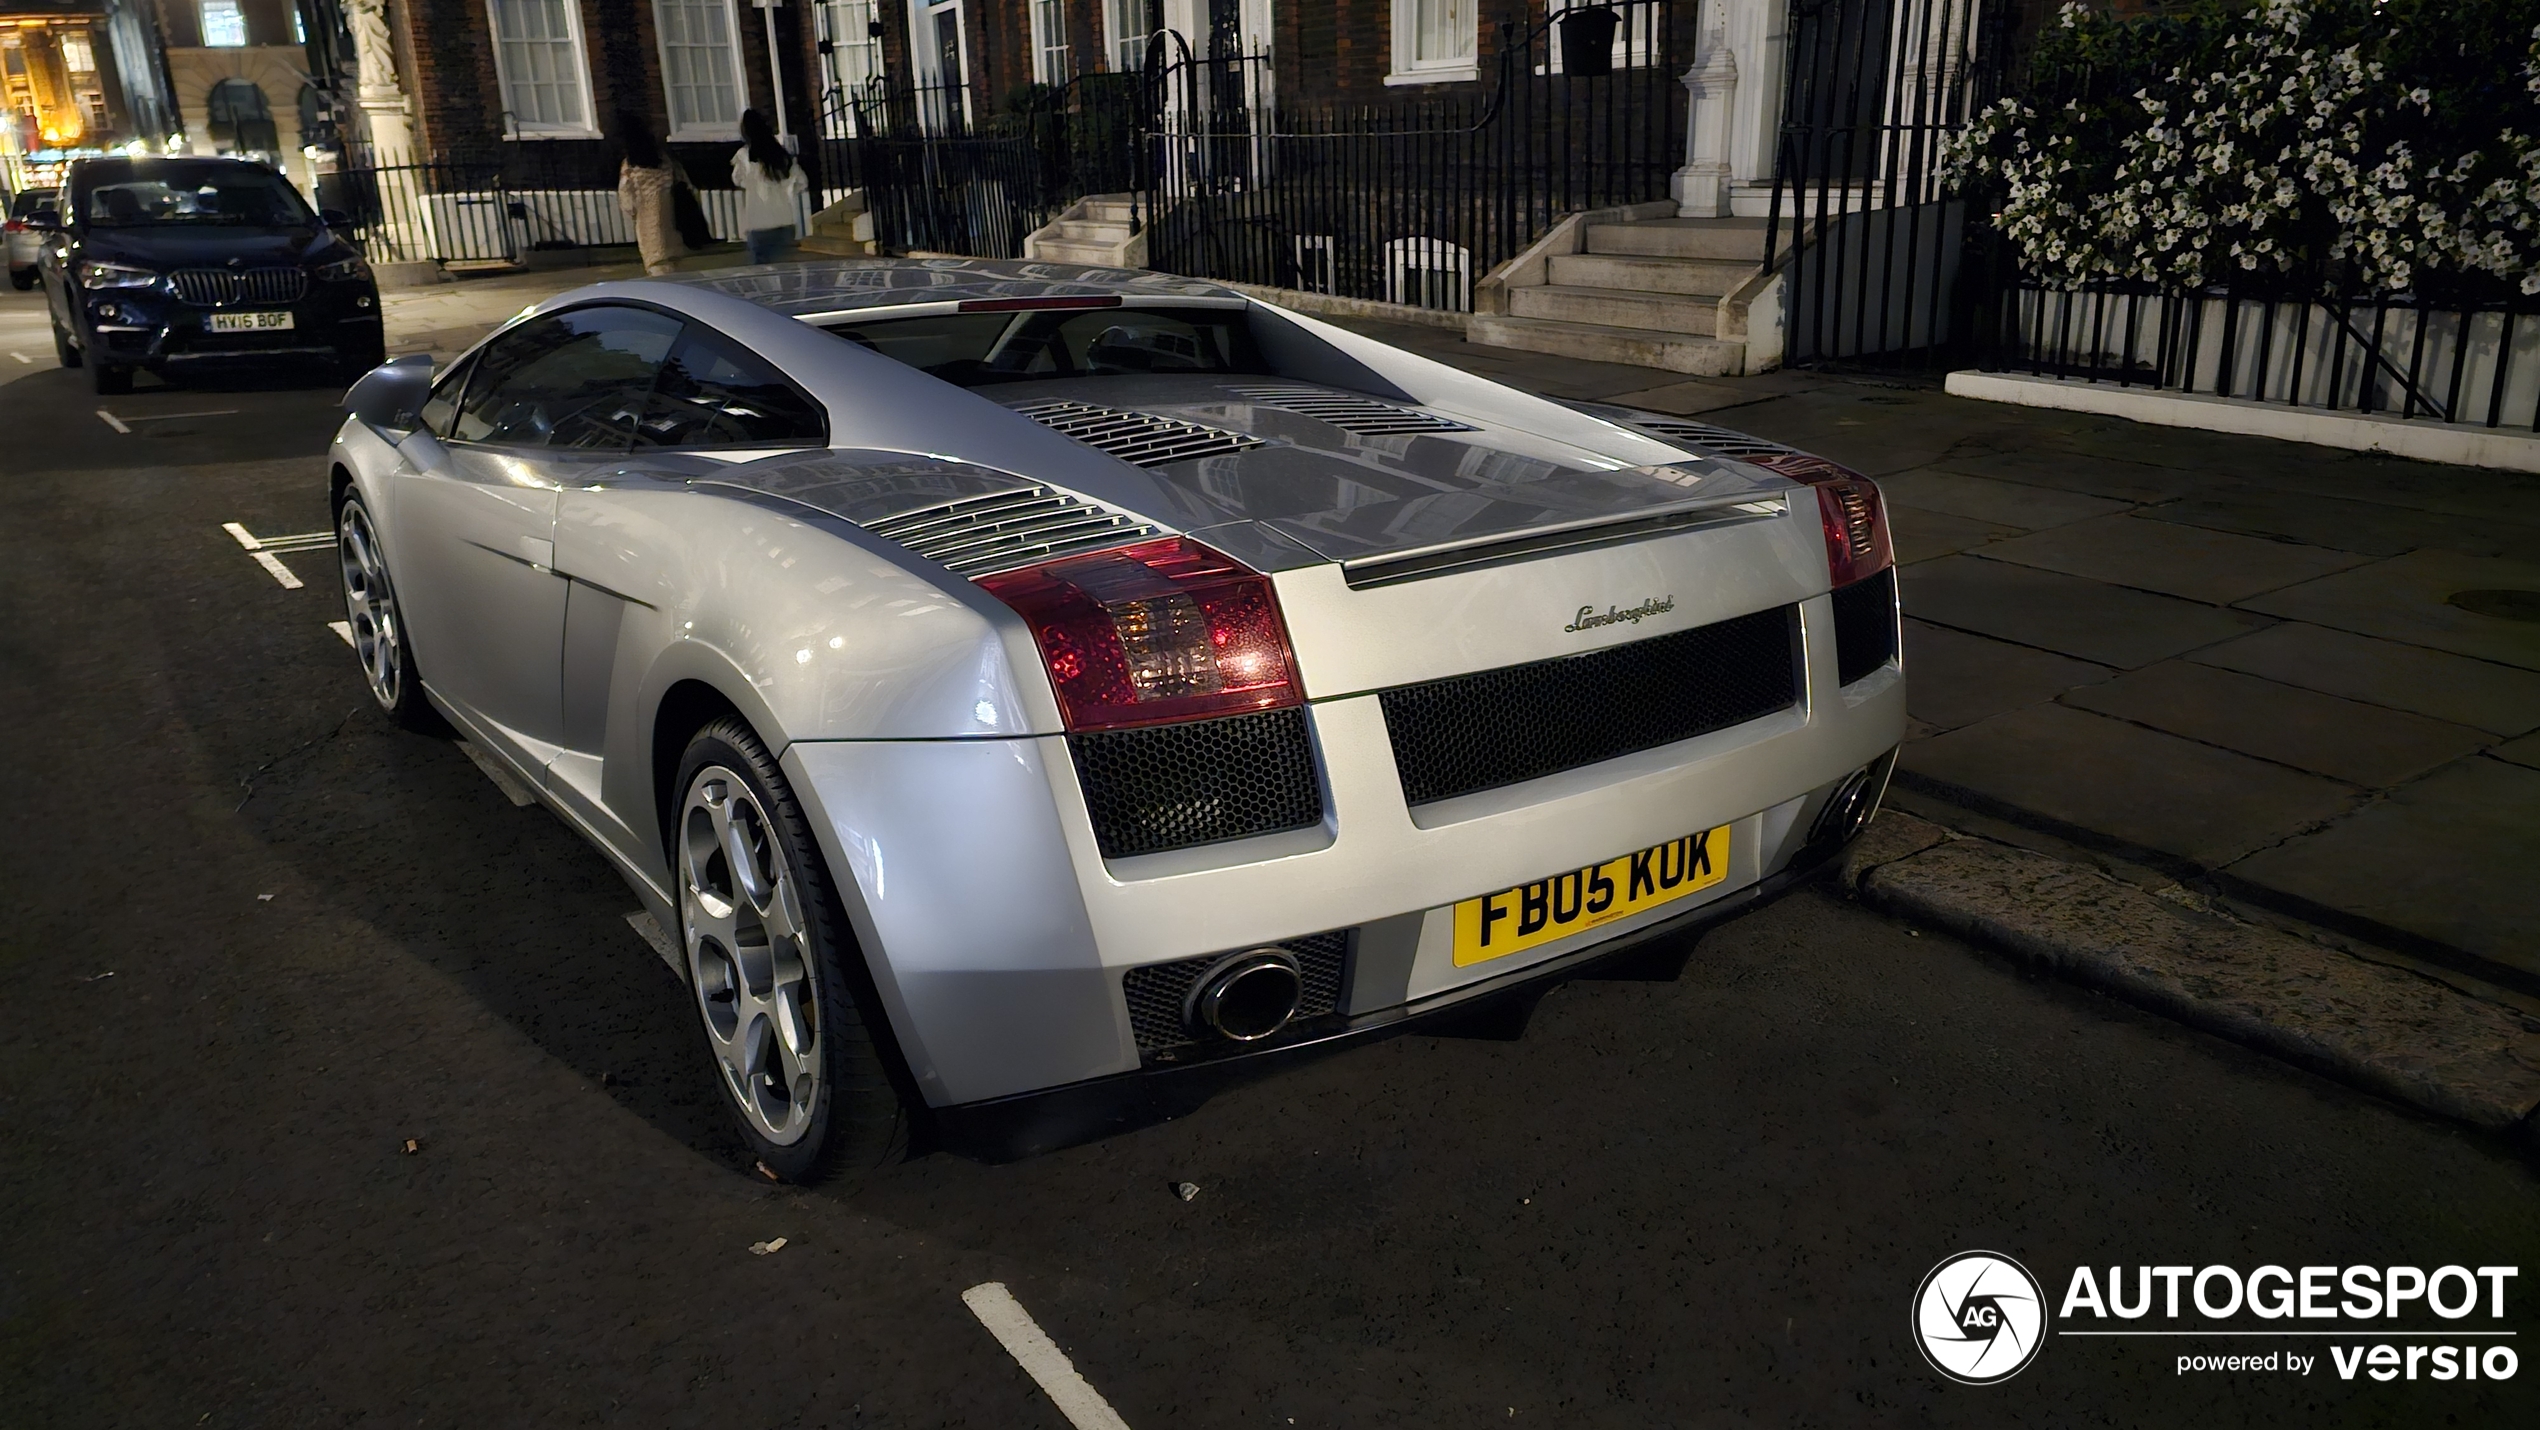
x,y
2393,144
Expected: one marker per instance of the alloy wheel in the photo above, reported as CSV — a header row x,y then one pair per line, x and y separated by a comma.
x,y
749,955
370,607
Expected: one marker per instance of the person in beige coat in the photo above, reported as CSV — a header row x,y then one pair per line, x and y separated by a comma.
x,y
645,176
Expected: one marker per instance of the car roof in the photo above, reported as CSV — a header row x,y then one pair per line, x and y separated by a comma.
x,y
114,168
846,284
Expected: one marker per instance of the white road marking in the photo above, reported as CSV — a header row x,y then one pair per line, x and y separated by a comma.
x,y
648,929
245,539
22,357
1040,1357
280,573
503,779
344,629
112,420
175,416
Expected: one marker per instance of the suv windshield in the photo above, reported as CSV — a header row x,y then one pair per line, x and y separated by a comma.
x,y
239,195
976,349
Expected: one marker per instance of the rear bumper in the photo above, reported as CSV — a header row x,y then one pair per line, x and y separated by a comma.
x,y
1009,1128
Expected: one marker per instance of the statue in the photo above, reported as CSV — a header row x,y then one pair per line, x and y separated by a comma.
x,y
373,53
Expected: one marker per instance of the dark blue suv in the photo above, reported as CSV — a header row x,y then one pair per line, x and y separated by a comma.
x,y
176,263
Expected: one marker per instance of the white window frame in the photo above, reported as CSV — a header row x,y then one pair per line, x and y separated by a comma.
x,y
843,25
203,22
1408,68
1113,37
514,128
732,58
1635,39
1049,41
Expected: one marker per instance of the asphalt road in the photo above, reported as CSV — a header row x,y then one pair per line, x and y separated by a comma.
x,y
255,939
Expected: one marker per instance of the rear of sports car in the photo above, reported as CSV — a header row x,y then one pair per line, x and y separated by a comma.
x,y
1400,720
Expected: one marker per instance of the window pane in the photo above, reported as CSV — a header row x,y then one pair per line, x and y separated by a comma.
x,y
576,380
696,42
1441,31
541,72
1128,34
224,24
713,394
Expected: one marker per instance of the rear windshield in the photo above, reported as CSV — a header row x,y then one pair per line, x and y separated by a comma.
x,y
234,195
27,202
976,349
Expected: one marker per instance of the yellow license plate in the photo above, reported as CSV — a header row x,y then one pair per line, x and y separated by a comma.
x,y
250,322
1530,915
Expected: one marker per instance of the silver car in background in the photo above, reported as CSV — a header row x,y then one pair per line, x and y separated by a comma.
x,y
1031,696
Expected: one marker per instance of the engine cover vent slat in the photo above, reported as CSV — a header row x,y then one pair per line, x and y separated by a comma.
x,y
1365,416
1719,441
1141,438
978,536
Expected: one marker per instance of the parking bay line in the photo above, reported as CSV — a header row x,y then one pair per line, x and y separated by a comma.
x,y
22,357
1040,1357
122,424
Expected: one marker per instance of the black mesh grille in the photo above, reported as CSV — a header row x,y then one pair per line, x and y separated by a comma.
x,y
1172,786
1864,626
1477,732
1158,991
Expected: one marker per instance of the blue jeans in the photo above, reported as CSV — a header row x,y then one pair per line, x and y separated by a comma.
x,y
767,245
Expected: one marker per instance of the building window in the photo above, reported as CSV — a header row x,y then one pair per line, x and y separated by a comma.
x,y
1433,42
224,24
1635,36
1128,23
1049,41
855,52
538,58
700,67
240,121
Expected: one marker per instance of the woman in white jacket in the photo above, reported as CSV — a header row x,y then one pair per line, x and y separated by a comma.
x,y
769,180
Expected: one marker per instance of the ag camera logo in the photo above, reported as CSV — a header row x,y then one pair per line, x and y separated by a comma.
x,y
1979,1317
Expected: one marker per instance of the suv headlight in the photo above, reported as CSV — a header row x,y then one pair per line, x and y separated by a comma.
x,y
93,274
340,270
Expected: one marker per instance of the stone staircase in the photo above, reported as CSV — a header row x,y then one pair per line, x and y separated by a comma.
x,y
842,230
1630,286
1093,231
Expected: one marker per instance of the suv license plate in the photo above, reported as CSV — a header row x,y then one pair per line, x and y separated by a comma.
x,y
1530,915
250,322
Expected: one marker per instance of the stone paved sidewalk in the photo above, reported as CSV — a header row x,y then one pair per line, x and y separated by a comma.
x,y
2306,679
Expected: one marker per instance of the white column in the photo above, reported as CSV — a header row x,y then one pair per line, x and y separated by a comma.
x,y
1701,187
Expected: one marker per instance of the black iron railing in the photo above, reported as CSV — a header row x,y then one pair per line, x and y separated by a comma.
x,y
2396,355
1873,249
1414,201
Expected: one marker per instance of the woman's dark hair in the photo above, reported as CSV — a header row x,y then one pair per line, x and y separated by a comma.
x,y
766,150
635,141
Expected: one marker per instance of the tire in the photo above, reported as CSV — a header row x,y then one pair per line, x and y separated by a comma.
x,y
781,989
378,625
62,347
108,379
22,278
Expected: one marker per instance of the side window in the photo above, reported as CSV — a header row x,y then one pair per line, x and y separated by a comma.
x,y
443,406
713,393
575,379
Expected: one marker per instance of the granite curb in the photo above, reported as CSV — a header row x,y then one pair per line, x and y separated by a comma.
x,y
2387,1030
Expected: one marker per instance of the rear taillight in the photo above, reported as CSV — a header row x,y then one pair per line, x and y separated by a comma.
x,y
1848,507
13,226
1163,630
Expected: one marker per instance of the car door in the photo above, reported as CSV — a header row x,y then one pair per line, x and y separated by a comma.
x,y
620,537
474,513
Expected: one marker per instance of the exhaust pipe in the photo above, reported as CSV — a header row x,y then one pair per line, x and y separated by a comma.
x,y
1248,996
1854,801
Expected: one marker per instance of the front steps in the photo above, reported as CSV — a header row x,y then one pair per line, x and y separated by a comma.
x,y
1618,286
1094,231
842,230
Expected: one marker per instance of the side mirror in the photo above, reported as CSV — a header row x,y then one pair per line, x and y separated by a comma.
x,y
390,396
335,218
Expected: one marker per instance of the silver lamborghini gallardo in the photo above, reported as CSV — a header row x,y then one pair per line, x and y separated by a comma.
x,y
1030,696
